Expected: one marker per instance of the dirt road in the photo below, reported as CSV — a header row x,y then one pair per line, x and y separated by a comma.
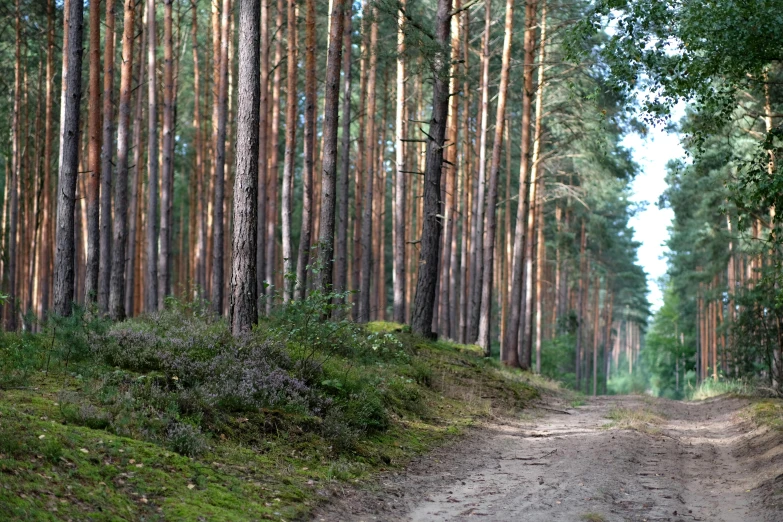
x,y
681,462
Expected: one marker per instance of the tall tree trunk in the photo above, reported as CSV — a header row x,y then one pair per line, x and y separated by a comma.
x,y
244,297
442,316
105,256
366,237
272,184
400,176
581,307
477,230
117,281
530,269
341,270
134,226
151,274
421,321
94,157
361,165
596,330
467,172
201,241
46,225
290,150
329,175
305,231
220,166
13,199
492,195
511,340
167,173
539,276
66,184
263,153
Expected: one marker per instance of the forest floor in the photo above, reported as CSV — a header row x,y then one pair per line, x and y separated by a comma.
x,y
628,458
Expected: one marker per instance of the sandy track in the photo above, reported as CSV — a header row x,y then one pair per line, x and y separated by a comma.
x,y
695,465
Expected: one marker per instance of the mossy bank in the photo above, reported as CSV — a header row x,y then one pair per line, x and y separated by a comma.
x,y
168,417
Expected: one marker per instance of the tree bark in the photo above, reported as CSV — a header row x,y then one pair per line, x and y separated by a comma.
x,y
263,151
167,173
13,199
421,321
117,280
305,231
94,157
329,176
492,194
66,184
220,166
369,167
272,184
400,176
290,151
134,226
244,296
511,340
105,257
200,195
151,279
477,229
341,270
46,224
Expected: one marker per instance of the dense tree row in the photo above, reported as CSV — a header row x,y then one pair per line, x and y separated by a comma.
x,y
433,162
724,313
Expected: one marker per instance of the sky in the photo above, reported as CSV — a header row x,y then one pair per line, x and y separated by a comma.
x,y
652,152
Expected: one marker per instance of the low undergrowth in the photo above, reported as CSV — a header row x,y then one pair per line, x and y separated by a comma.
x,y
638,419
767,412
710,388
168,416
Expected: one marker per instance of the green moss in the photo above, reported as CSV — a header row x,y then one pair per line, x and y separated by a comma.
x,y
60,458
768,412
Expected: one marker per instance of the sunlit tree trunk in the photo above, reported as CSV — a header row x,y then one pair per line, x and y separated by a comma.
x,y
511,340
399,177
492,194
477,228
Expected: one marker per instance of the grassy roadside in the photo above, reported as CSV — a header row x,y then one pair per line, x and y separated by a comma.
x,y
767,412
147,440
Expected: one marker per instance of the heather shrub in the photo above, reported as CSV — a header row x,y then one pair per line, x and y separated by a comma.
x,y
83,413
179,377
186,439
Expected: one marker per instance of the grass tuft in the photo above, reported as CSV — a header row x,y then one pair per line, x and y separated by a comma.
x,y
710,388
637,419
